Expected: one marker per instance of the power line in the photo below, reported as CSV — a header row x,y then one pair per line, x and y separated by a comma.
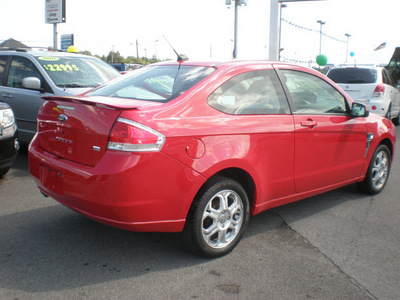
x,y
312,30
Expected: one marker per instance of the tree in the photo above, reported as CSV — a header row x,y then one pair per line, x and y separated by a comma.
x,y
86,53
115,57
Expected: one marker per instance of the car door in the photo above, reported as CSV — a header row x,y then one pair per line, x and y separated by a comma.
x,y
262,117
24,102
330,145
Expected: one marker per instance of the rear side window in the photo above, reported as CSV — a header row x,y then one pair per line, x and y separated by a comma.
x,y
252,93
353,75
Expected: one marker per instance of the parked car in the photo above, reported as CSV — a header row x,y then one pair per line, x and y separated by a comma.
x,y
9,144
199,147
26,76
372,86
124,68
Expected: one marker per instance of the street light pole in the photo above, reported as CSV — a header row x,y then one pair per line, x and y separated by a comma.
x,y
320,35
347,46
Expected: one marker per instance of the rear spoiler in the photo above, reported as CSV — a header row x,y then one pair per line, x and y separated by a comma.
x,y
114,103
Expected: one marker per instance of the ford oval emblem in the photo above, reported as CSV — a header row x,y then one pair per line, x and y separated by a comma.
x,y
62,118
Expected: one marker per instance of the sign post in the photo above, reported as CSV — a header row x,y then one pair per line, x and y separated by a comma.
x,y
55,13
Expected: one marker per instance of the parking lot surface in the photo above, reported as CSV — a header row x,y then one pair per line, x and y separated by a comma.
x,y
339,245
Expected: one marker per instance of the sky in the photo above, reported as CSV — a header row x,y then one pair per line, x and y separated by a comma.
x,y
203,30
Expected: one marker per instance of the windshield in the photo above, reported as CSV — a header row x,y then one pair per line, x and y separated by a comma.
x,y
353,75
77,72
154,83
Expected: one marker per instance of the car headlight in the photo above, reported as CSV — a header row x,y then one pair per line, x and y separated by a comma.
x,y
6,118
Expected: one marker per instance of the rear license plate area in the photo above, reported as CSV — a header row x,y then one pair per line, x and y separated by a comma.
x,y
52,179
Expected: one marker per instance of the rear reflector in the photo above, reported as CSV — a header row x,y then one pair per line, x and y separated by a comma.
x,y
127,135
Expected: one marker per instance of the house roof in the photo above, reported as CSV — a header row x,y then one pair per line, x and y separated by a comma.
x,y
11,43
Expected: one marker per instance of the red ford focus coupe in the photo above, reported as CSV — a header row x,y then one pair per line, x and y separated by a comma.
x,y
199,147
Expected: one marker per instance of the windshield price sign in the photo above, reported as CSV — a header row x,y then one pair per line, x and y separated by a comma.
x,y
55,11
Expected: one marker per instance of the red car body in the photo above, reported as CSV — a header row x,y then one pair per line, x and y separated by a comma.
x,y
278,158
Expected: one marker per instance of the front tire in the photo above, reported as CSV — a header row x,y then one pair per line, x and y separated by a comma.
x,y
218,218
378,171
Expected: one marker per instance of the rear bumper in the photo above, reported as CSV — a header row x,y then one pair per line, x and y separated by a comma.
x,y
138,192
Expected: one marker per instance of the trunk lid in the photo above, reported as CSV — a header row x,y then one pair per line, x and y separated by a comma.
x,y
77,128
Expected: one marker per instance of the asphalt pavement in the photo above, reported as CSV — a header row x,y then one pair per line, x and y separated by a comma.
x,y
339,245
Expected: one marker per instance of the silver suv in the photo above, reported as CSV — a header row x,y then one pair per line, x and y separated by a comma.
x,y
26,76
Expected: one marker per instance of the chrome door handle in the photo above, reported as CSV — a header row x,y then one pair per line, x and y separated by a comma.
x,y
6,96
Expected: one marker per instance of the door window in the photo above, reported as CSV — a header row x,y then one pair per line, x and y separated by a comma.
x,y
312,95
257,92
21,68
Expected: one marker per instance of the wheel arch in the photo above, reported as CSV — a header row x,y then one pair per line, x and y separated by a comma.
x,y
242,177
237,174
387,142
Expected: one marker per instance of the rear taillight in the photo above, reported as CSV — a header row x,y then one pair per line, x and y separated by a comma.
x,y
379,91
127,135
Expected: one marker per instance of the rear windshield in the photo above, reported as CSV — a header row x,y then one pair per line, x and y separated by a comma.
x,y
353,75
154,83
77,72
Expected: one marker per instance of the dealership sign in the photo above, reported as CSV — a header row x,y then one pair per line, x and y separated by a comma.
x,y
55,11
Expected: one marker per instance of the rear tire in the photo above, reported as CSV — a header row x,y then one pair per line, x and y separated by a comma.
x,y
218,218
378,171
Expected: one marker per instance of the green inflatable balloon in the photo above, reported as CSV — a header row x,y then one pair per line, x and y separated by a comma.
x,y
322,60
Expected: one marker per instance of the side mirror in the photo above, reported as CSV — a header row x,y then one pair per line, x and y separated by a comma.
x,y
359,110
31,83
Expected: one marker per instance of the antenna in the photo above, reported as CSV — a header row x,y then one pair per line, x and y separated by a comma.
x,y
180,57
